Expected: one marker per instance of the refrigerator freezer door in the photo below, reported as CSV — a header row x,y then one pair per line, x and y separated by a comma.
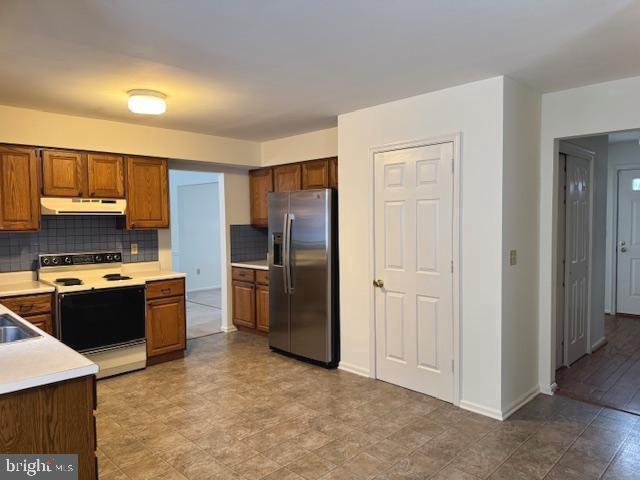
x,y
310,316
278,296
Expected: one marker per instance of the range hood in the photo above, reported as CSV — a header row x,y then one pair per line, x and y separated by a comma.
x,y
83,206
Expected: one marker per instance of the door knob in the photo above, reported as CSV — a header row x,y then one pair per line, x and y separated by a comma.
x,y
378,283
623,249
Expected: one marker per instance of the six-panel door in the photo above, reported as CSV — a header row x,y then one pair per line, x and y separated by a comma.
x,y
19,185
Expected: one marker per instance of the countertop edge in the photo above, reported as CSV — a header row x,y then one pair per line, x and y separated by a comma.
x,y
49,379
27,291
253,266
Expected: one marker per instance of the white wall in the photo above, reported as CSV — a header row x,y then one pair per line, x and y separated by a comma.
x,y
318,144
520,190
590,110
475,110
626,155
33,127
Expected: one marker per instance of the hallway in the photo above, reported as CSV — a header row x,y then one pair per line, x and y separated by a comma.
x,y
611,375
204,313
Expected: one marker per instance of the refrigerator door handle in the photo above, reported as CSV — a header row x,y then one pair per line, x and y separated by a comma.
x,y
290,217
285,252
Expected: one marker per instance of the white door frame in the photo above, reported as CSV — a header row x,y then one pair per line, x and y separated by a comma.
x,y
454,138
613,300
568,148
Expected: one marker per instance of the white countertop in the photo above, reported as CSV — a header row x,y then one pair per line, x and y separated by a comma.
x,y
21,283
149,271
39,361
255,264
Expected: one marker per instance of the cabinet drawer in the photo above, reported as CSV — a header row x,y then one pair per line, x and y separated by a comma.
x,y
262,277
29,304
165,288
243,274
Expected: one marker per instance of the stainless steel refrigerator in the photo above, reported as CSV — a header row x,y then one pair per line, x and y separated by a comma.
x,y
303,275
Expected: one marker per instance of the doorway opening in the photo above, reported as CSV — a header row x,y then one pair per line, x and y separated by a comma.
x,y
196,237
597,346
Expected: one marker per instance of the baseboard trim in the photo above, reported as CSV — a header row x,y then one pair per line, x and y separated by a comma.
x,y
355,369
481,409
230,329
600,343
549,389
520,402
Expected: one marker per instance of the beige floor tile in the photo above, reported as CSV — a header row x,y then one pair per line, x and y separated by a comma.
x,y
256,467
311,466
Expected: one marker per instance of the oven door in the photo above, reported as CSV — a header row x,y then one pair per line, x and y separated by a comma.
x,y
100,319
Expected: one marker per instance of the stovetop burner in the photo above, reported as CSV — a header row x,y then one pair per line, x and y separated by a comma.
x,y
113,277
68,282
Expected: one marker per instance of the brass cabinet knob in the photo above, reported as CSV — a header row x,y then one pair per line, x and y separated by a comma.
x,y
378,283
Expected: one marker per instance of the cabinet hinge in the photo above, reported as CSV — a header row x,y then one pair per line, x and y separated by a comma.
x,y
451,266
452,365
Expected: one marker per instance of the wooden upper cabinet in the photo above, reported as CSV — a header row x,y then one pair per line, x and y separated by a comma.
x,y
260,184
287,178
315,174
19,189
333,172
63,173
147,193
105,175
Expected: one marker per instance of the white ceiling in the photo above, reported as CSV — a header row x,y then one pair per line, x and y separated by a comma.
x,y
259,69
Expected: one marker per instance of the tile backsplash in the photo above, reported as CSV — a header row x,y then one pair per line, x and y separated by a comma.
x,y
71,234
248,243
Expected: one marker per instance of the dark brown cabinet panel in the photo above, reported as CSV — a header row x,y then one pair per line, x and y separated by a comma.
x,y
165,326
244,304
63,173
287,178
105,175
260,184
262,308
147,193
19,189
333,172
52,419
315,174
36,309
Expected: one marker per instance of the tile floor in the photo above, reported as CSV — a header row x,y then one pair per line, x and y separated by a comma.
x,y
611,375
233,410
204,314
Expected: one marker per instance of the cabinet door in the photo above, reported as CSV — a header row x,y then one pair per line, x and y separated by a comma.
x,y
165,325
262,308
43,322
260,184
63,173
19,189
333,172
244,304
147,193
315,174
105,175
287,178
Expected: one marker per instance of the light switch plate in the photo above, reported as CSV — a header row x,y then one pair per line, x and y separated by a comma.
x,y
134,249
513,257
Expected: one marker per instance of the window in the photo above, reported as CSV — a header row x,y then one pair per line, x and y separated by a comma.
x,y
635,184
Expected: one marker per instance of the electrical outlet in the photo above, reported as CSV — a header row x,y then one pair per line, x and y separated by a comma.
x,y
513,257
197,271
134,249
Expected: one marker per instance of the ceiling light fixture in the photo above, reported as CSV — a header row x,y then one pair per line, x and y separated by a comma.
x,y
147,102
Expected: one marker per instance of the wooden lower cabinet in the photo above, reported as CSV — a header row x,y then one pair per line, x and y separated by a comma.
x,y
166,322
55,418
244,304
251,299
36,309
262,308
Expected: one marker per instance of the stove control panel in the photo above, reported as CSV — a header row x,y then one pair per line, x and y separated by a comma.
x,y
70,259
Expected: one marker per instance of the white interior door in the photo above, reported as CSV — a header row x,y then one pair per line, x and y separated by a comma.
x,y
577,258
628,252
413,257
